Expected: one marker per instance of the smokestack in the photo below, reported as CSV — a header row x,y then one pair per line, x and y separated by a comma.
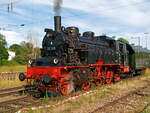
x,y
57,22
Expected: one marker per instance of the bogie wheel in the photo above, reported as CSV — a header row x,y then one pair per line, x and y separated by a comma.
x,y
99,82
86,85
37,94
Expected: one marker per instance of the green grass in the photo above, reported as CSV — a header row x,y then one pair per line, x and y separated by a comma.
x,y
67,111
147,109
147,72
10,82
21,68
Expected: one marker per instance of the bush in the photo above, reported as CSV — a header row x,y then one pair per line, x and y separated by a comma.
x,y
8,63
21,59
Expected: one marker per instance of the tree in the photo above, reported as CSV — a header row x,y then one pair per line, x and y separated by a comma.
x,y
24,52
3,40
21,53
21,59
33,38
28,48
123,40
17,49
31,50
3,51
113,37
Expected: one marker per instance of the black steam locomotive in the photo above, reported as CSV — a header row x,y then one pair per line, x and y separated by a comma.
x,y
70,61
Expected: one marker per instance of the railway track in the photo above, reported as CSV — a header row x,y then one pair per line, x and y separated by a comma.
x,y
11,106
129,99
11,99
11,91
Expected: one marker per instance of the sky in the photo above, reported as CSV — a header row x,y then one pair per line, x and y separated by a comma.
x,y
121,18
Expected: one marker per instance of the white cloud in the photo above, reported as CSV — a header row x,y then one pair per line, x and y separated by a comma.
x,y
122,11
12,37
85,25
127,11
136,37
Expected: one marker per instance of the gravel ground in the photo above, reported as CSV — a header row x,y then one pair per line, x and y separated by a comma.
x,y
132,104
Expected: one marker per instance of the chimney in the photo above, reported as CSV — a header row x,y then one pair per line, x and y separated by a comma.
x,y
57,22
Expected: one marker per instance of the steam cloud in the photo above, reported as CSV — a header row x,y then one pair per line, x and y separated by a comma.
x,y
57,7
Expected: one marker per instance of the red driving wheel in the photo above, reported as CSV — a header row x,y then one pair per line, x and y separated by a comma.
x,y
108,80
99,82
117,77
109,77
66,85
86,85
64,89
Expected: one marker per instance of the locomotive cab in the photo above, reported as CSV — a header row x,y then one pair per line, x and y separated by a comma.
x,y
123,53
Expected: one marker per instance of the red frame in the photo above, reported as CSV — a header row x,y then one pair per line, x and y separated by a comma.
x,y
59,73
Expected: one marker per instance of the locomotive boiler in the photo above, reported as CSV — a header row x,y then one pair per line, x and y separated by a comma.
x,y
71,61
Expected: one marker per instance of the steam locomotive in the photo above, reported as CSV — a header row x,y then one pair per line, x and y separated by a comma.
x,y
71,61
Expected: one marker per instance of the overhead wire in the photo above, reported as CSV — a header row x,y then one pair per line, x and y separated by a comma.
x,y
12,1
73,14
26,17
109,9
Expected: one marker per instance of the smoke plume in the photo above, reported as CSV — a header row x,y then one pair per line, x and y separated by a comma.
x,y
57,7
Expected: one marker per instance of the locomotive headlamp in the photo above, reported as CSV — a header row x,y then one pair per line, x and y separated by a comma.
x,y
71,31
55,61
49,35
30,62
